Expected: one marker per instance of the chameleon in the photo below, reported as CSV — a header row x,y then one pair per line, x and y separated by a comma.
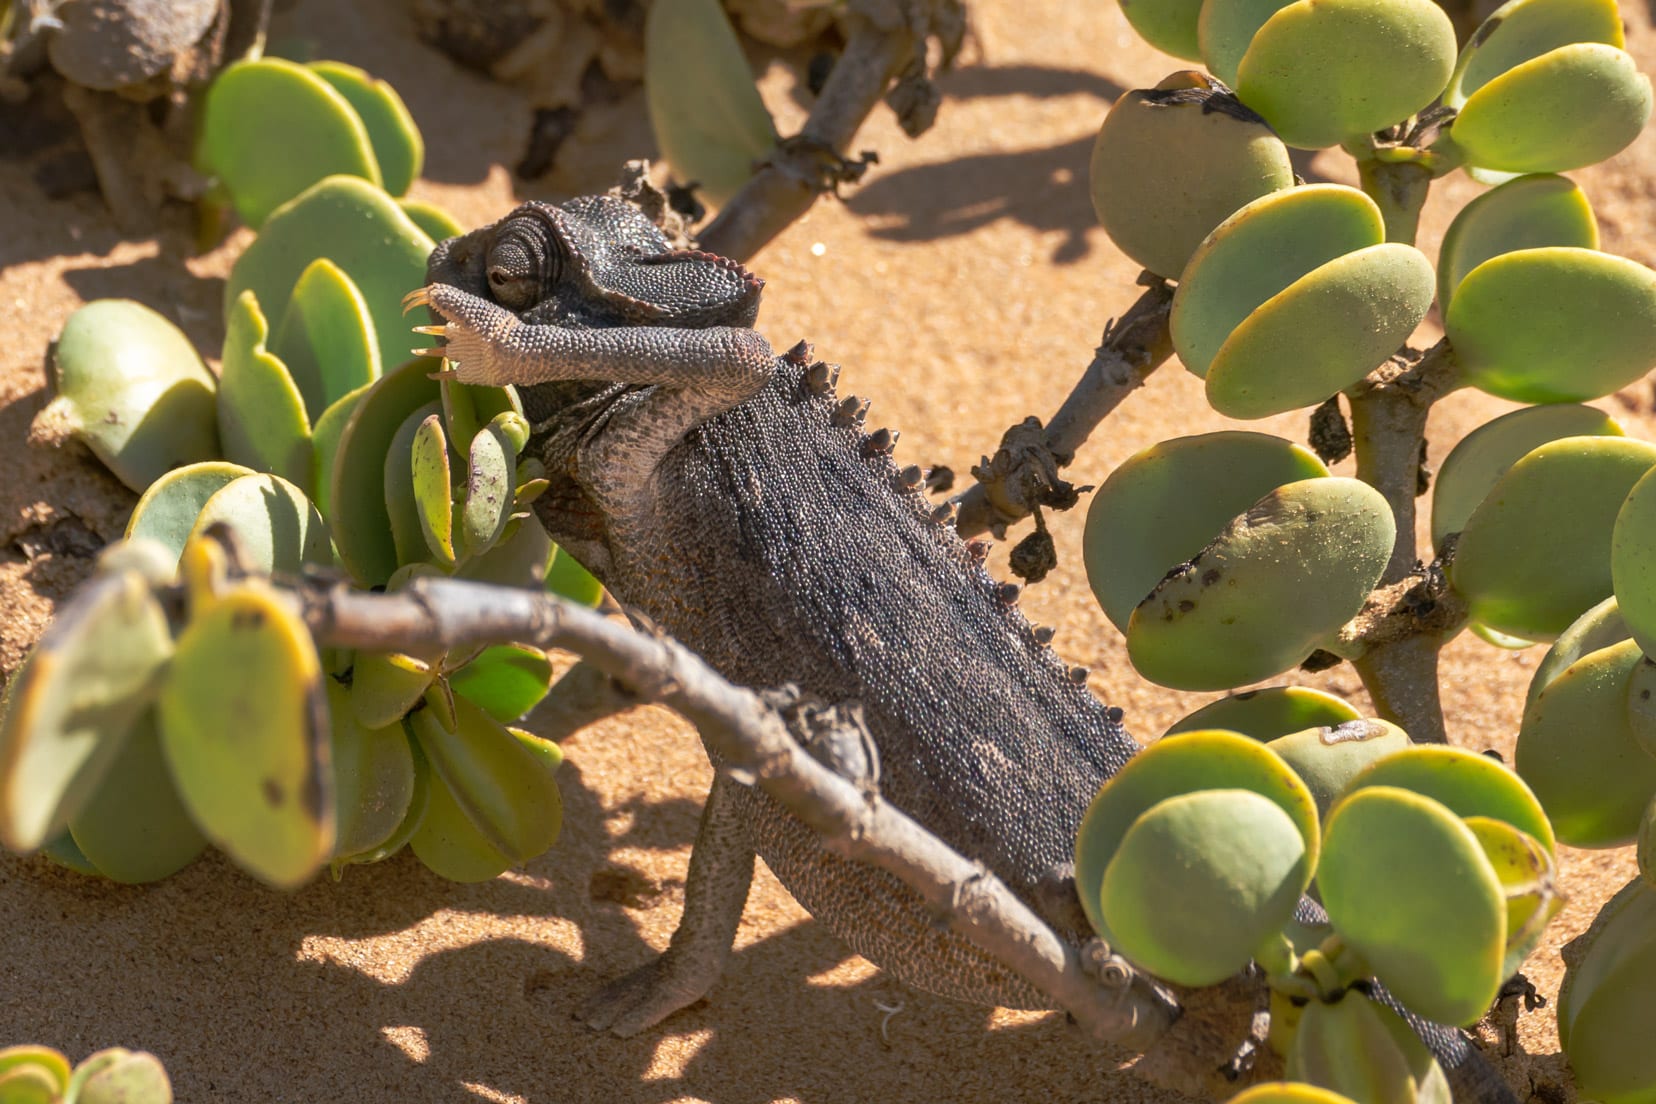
x,y
726,495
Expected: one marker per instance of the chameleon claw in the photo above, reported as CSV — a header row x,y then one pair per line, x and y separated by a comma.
x,y
419,297
434,351
433,331
443,374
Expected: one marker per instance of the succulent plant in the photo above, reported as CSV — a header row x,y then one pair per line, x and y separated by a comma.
x,y
41,1075
222,722
1435,866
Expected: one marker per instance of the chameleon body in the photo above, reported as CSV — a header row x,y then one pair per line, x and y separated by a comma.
x,y
729,497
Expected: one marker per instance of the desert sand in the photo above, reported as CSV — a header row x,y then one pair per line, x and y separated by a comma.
x,y
963,287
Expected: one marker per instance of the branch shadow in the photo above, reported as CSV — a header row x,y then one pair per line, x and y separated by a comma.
x,y
1044,189
397,985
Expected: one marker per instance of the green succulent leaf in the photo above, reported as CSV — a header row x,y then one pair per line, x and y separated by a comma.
x,y
327,338
518,559
1522,30
1169,165
1177,765
1288,1092
1641,705
27,1085
73,702
1598,628
132,388
362,522
64,852
1259,252
1225,28
1322,333
1577,751
1275,585
1533,580
1168,25
1476,464
167,512
709,121
374,780
450,845
1327,758
1530,212
566,577
1202,879
402,506
1167,502
1529,878
325,436
467,408
490,470
1555,324
1569,108
244,724
437,223
1607,991
507,680
1465,783
49,1062
135,828
502,786
1270,712
386,685
399,151
277,528
360,229
1325,72
132,1077
271,129
419,801
261,414
433,488
1364,1050
1406,884
1633,562
1645,845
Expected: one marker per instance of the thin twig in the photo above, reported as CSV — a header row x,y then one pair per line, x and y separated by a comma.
x,y
1021,479
751,738
792,178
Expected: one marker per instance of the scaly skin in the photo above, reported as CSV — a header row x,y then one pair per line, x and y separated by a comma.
x,y
726,495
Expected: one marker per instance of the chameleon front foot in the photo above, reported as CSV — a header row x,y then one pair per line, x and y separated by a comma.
x,y
643,998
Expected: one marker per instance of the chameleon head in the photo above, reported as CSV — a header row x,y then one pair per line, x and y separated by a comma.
x,y
595,262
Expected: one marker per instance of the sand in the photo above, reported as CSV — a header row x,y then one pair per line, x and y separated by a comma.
x,y
963,287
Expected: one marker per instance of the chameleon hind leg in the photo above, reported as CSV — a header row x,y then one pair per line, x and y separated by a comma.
x,y
715,892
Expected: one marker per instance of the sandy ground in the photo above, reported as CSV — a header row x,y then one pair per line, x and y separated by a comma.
x,y
963,287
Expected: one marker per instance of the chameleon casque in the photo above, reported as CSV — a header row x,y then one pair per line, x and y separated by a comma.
x,y
729,497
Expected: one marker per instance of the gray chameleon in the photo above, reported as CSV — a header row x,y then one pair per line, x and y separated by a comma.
x,y
728,496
